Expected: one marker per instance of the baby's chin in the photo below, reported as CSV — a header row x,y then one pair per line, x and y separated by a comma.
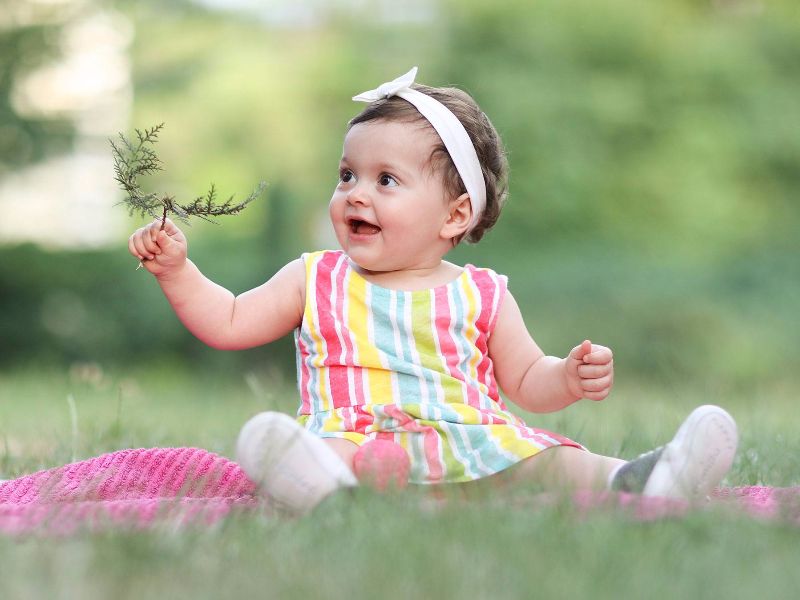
x,y
368,267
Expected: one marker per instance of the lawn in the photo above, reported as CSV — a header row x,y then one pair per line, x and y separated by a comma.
x,y
370,546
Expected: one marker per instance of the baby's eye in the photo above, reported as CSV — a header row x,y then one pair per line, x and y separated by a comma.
x,y
346,176
387,180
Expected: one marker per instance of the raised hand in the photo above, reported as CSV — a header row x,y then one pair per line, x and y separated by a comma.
x,y
159,250
589,371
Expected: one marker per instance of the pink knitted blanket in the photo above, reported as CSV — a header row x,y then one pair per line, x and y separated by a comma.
x,y
129,488
143,488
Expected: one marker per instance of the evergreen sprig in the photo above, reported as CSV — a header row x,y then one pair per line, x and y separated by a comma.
x,y
135,159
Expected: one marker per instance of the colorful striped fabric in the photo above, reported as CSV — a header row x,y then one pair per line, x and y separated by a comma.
x,y
412,367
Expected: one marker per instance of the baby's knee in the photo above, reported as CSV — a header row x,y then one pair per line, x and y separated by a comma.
x,y
382,464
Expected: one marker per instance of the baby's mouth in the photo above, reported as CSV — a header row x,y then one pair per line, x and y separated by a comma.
x,y
362,227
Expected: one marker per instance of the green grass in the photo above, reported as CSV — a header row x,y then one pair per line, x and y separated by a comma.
x,y
370,546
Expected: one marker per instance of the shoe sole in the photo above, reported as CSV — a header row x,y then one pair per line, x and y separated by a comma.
x,y
697,458
290,465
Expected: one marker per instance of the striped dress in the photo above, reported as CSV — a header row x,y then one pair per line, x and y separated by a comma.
x,y
412,367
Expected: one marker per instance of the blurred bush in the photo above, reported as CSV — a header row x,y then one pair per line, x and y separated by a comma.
x,y
68,306
733,326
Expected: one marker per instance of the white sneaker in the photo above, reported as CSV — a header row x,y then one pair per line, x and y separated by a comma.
x,y
290,465
697,458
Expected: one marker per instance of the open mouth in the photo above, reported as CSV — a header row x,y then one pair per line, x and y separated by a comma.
x,y
362,227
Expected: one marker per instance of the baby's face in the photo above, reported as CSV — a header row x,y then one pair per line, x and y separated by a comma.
x,y
389,207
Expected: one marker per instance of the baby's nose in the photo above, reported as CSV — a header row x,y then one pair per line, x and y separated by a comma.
x,y
358,195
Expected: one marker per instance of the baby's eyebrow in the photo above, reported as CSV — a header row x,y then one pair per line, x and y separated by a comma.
x,y
379,166
393,169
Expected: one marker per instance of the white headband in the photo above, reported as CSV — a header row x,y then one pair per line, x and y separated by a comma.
x,y
454,136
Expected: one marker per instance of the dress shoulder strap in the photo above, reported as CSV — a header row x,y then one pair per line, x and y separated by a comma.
x,y
319,266
491,288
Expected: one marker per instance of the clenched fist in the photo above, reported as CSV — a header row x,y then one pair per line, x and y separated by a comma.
x,y
159,250
590,371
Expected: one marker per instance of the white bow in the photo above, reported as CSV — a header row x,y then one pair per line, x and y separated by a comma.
x,y
390,88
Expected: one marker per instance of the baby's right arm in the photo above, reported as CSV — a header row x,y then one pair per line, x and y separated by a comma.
x,y
211,312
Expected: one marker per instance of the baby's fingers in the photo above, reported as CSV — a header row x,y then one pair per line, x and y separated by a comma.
x,y
596,385
144,241
151,230
133,249
597,396
137,246
599,355
168,235
595,371
169,227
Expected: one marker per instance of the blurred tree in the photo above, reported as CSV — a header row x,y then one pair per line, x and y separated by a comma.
x,y
651,124
29,38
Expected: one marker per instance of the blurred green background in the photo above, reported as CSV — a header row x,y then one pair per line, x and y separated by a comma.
x,y
654,151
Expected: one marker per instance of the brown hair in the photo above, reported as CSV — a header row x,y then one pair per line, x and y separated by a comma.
x,y
484,137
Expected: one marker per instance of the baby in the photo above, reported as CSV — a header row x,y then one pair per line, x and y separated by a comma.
x,y
401,355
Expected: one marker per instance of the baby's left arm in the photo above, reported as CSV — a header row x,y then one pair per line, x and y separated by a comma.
x,y
540,383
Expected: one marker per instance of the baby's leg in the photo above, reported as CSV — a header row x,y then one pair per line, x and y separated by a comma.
x,y
686,468
565,468
344,449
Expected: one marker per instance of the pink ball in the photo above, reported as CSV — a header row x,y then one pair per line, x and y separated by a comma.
x,y
382,464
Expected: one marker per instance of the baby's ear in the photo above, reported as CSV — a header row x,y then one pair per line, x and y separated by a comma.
x,y
458,218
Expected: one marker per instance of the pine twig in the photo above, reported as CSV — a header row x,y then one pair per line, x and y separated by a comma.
x,y
136,159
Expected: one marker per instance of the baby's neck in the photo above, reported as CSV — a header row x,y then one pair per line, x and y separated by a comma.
x,y
412,279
